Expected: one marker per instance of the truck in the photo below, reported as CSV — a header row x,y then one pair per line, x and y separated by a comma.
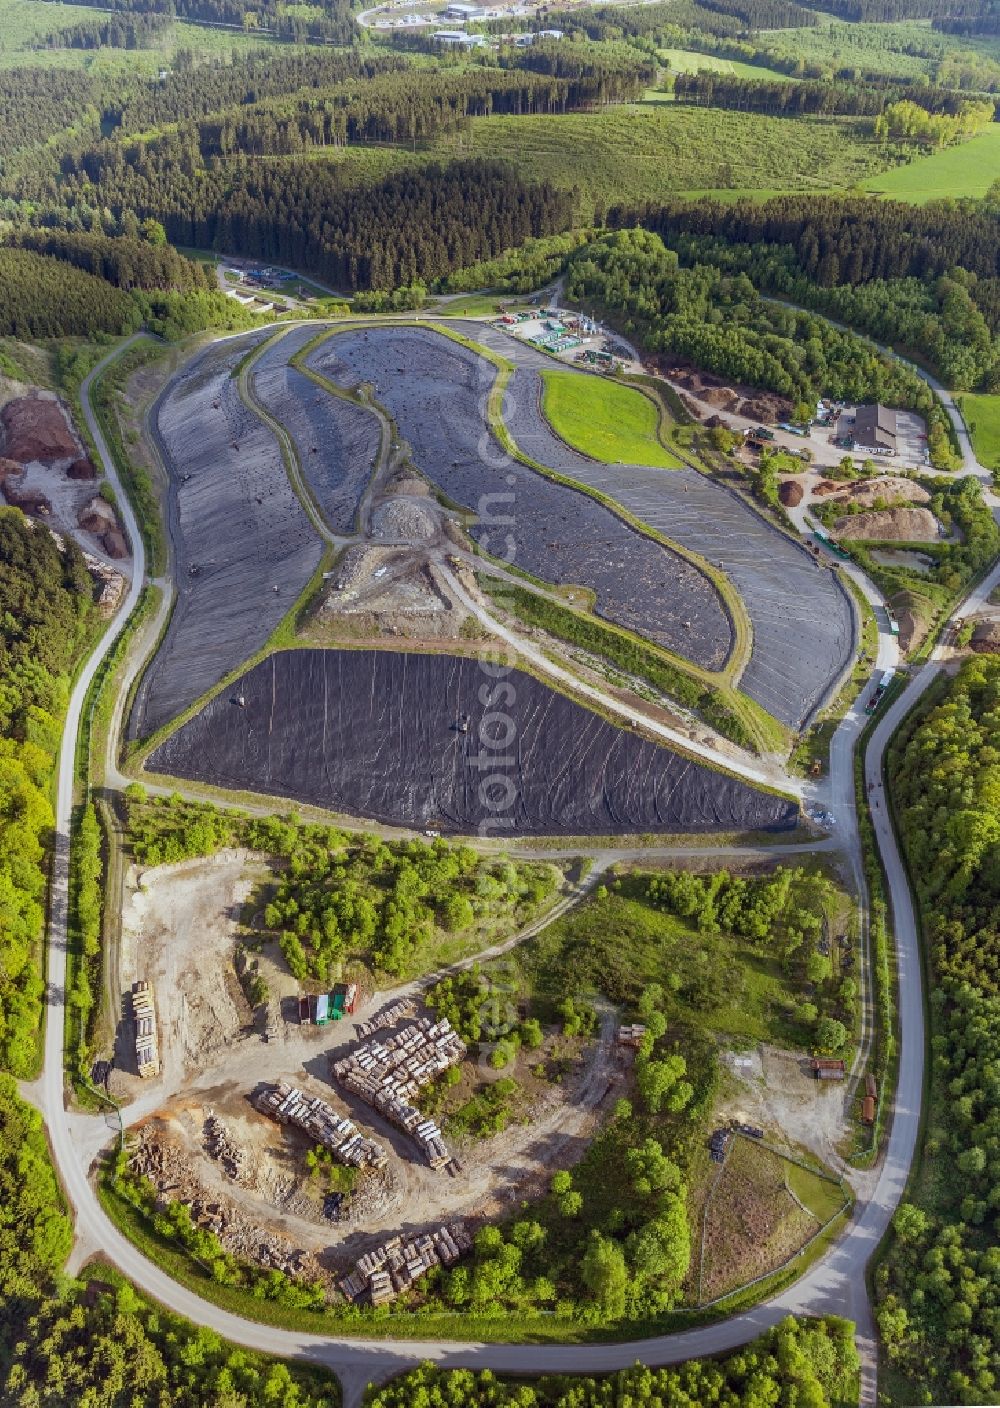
x,y
319,1009
885,680
893,623
304,1010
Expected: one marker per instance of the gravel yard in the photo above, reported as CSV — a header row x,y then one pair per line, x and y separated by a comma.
x,y
419,740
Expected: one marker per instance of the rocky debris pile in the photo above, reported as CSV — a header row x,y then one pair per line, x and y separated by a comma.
x,y
388,1075
986,638
98,517
36,429
321,1122
790,493
31,501
888,488
220,1145
765,407
896,525
388,1017
392,1268
403,521
168,1170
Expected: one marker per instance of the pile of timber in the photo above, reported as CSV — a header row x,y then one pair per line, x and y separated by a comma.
x,y
388,1075
322,1123
147,1055
388,1017
383,1274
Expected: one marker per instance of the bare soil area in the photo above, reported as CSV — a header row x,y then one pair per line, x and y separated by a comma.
x,y
775,1089
896,525
180,928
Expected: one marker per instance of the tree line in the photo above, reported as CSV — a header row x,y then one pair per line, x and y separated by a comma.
x,y
397,107
124,261
412,226
334,24
799,1362
138,31
792,99
938,1288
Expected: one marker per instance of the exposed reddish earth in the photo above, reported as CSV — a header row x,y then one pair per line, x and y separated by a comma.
x,y
790,493
82,468
36,428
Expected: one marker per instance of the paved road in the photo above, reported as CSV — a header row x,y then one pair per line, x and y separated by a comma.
x,y
835,1284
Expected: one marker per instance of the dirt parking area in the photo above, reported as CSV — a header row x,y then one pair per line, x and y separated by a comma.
x,y
775,1090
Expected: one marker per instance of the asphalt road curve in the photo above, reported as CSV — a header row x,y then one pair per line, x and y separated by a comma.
x,y
445,742
437,392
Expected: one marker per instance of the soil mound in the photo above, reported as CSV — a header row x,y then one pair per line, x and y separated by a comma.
x,y
891,525
790,493
891,488
35,428
115,545
98,517
82,468
986,638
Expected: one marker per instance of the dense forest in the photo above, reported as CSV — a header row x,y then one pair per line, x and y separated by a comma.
x,y
939,1287
716,320
409,226
840,239
800,1362
46,612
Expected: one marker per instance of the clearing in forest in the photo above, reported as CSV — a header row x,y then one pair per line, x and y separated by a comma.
x,y
605,420
982,416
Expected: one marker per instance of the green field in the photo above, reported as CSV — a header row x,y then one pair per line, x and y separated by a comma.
x,y
966,170
688,61
22,21
604,419
652,152
982,416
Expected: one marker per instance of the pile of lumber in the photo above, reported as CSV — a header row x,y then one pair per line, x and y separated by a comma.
x,y
322,1123
383,1274
388,1075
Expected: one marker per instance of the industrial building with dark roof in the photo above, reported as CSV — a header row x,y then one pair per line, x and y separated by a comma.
x,y
875,430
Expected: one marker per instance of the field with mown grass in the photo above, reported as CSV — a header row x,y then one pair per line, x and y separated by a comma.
x,y
604,419
968,169
982,416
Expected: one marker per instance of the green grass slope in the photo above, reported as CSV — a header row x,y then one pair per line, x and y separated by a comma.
x,y
604,419
966,170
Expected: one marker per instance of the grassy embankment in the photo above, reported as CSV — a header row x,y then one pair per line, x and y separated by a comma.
x,y
604,419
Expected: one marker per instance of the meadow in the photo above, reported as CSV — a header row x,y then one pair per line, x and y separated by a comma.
x,y
649,152
690,61
966,170
604,419
982,416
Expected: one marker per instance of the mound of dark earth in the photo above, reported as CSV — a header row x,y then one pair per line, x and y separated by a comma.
x,y
36,428
451,743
